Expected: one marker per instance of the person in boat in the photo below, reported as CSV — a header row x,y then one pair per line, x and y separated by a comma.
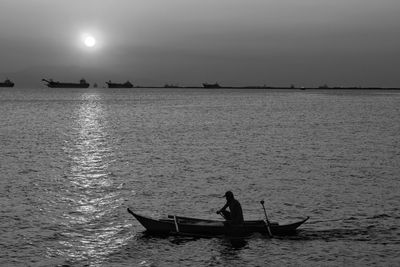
x,y
235,213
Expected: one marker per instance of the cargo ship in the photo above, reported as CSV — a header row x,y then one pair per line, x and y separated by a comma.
x,y
82,84
211,85
127,84
7,83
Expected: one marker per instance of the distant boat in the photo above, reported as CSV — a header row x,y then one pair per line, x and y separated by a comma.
x,y
7,83
82,84
211,85
127,84
171,85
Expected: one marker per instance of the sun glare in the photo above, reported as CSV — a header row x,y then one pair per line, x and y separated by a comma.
x,y
89,41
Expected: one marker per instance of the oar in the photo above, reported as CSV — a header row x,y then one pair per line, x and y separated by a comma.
x,y
266,219
176,224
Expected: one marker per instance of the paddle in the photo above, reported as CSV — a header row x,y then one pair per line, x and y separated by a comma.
x,y
176,224
266,219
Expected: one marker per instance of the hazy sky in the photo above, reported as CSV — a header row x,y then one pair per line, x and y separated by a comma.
x,y
235,42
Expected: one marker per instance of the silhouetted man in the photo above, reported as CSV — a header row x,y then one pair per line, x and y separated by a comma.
x,y
235,216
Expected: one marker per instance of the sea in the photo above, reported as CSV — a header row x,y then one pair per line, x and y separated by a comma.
x,y
73,160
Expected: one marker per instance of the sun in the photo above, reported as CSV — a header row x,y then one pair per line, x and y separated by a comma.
x,y
89,41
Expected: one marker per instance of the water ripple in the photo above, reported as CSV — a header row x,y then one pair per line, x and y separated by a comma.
x,y
73,160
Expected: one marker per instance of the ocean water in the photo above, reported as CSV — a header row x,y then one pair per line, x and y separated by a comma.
x,y
73,160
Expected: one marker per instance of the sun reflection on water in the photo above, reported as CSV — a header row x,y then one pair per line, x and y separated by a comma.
x,y
91,194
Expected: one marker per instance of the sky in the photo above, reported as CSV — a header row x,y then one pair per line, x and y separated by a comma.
x,y
188,42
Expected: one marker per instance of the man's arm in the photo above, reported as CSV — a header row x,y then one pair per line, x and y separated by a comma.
x,y
223,208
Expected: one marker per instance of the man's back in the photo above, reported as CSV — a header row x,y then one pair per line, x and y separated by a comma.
x,y
236,212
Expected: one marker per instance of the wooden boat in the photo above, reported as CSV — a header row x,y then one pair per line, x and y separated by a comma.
x,y
176,225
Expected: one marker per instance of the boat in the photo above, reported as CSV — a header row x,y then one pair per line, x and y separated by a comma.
x,y
7,83
82,84
211,85
127,84
171,85
176,225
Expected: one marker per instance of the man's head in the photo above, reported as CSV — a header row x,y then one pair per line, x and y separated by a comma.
x,y
229,195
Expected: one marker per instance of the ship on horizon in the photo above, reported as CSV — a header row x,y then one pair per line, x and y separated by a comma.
x,y
126,84
7,83
211,85
56,84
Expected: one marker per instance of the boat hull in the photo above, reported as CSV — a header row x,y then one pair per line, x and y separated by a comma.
x,y
68,85
119,85
56,84
200,227
6,85
208,85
